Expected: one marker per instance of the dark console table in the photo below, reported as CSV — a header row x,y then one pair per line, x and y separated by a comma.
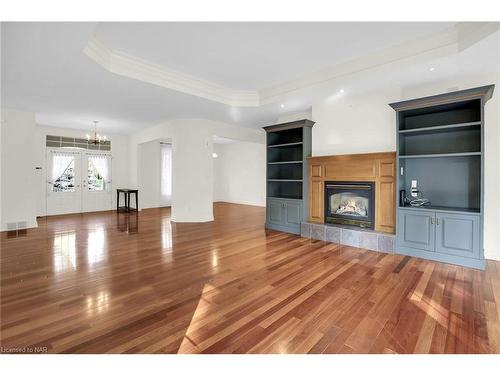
x,y
126,194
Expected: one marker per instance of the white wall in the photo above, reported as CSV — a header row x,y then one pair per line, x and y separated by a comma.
x,y
240,173
150,174
192,173
354,124
1,167
294,117
119,166
192,165
365,123
18,192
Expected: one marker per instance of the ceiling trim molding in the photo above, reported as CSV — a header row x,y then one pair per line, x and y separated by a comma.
x,y
447,42
450,41
133,67
470,33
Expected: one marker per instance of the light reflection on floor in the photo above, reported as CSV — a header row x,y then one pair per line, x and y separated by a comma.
x,y
98,303
215,257
95,246
64,251
166,239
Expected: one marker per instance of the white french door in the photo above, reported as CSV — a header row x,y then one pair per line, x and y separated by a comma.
x,y
64,175
78,181
96,186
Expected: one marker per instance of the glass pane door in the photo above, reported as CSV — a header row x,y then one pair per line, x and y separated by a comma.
x,y
97,190
63,182
78,181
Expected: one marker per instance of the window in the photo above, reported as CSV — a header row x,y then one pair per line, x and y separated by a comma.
x,y
95,180
66,181
166,174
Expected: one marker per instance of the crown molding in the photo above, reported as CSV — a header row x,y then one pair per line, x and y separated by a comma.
x,y
470,33
448,42
133,67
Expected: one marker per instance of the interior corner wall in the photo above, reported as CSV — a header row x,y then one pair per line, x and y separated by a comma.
x,y
18,193
365,123
240,173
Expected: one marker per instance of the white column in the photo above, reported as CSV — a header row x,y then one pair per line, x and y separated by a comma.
x,y
192,173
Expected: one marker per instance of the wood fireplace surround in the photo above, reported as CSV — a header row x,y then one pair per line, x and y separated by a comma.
x,y
379,168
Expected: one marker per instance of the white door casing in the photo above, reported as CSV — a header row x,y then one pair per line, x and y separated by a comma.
x,y
80,197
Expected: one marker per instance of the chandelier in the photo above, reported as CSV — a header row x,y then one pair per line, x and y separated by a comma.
x,y
95,139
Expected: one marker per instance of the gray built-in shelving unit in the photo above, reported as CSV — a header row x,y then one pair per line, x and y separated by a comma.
x,y
440,144
288,146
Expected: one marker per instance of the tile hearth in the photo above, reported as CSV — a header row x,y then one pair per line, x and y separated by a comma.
x,y
350,236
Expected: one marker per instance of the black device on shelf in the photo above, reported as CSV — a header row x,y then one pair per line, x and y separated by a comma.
x,y
402,198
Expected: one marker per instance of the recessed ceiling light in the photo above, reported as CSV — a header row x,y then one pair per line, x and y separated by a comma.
x,y
432,69
214,155
341,91
282,106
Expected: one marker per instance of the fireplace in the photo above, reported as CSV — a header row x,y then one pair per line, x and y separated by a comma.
x,y
350,203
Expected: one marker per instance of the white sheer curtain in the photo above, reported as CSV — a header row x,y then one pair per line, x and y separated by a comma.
x,y
60,161
101,163
166,174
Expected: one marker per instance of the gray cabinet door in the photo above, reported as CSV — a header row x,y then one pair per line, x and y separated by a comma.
x,y
275,211
457,234
293,213
416,229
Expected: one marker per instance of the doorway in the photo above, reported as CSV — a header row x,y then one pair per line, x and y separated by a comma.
x,y
78,181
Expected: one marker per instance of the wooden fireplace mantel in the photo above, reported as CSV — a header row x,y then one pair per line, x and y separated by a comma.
x,y
378,167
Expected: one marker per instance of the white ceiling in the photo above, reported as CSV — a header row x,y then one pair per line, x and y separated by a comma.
x,y
45,70
251,56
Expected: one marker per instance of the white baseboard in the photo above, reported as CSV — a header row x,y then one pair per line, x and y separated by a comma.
x,y
492,256
192,219
247,203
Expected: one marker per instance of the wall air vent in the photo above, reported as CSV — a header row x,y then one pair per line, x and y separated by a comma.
x,y
17,225
11,226
22,225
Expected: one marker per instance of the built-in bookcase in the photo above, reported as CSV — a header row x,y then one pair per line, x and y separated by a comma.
x,y
440,145
288,145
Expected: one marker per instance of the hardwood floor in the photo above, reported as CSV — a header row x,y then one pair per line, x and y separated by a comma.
x,y
108,283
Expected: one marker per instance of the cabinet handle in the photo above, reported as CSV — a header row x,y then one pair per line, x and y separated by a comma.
x,y
432,220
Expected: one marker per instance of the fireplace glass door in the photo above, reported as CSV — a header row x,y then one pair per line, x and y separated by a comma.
x,y
350,203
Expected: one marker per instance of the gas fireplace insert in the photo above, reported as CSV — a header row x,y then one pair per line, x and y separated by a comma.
x,y
350,203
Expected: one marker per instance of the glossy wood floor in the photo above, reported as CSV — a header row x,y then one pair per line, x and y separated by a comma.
x,y
108,283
